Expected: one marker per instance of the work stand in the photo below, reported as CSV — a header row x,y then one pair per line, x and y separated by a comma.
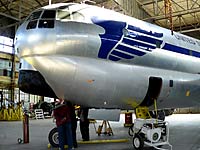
x,y
107,128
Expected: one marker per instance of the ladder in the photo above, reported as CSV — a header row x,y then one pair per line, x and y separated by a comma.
x,y
39,114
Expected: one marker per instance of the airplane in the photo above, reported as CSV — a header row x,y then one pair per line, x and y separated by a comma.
x,y
99,58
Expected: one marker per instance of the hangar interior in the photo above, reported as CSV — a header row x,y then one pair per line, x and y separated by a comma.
x,y
177,15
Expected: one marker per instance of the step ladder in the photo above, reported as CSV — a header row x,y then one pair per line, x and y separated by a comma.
x,y
39,114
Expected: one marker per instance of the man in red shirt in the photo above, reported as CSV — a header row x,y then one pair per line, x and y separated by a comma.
x,y
63,122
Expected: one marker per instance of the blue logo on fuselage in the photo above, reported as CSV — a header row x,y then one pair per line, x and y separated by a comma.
x,y
122,41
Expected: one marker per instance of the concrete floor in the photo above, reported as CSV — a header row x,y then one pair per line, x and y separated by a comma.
x,y
184,134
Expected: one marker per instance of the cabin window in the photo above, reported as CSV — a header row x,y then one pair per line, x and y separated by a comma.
x,y
32,25
171,83
190,53
158,43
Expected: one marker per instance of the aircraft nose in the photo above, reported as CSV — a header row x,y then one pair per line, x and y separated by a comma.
x,y
18,38
16,41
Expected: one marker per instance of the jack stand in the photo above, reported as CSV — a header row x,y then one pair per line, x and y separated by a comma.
x,y
107,128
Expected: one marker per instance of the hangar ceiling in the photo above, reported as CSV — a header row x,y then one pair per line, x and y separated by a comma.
x,y
185,13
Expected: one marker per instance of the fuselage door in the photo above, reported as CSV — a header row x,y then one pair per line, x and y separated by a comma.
x,y
155,85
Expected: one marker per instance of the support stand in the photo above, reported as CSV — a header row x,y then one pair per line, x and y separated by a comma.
x,y
25,129
107,128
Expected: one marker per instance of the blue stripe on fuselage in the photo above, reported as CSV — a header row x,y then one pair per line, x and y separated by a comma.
x,y
122,55
177,49
106,46
113,34
138,44
137,29
130,50
196,54
113,58
147,39
181,50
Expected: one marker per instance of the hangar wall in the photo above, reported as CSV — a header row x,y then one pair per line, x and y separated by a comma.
x,y
7,28
132,8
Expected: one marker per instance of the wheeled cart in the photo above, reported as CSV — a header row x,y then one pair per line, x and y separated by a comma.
x,y
152,133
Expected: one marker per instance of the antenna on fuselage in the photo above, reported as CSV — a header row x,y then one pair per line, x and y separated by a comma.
x,y
49,2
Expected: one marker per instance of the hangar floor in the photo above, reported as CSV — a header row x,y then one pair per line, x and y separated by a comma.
x,y
184,134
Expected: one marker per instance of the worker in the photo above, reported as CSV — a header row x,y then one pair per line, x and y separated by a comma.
x,y
84,124
63,121
73,122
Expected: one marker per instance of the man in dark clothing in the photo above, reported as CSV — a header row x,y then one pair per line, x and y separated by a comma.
x,y
73,122
84,124
63,122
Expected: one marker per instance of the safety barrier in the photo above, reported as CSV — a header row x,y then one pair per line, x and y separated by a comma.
x,y
11,114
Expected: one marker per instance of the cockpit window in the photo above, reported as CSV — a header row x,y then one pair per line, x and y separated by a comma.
x,y
46,24
77,16
48,19
32,25
33,20
65,6
34,15
63,15
49,14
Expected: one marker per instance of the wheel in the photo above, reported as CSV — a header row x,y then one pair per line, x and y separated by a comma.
x,y
19,140
130,130
53,137
138,142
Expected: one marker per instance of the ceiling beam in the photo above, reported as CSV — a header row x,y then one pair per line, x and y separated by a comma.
x,y
8,16
6,7
148,2
39,3
180,13
9,26
190,30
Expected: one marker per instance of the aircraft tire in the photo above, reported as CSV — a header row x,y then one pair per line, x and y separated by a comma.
x,y
53,137
138,142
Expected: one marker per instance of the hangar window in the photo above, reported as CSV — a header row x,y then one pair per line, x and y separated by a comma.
x,y
63,15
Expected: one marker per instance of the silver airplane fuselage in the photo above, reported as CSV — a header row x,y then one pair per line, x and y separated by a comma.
x,y
100,58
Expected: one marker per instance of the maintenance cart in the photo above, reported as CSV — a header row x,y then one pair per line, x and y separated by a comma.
x,y
152,133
